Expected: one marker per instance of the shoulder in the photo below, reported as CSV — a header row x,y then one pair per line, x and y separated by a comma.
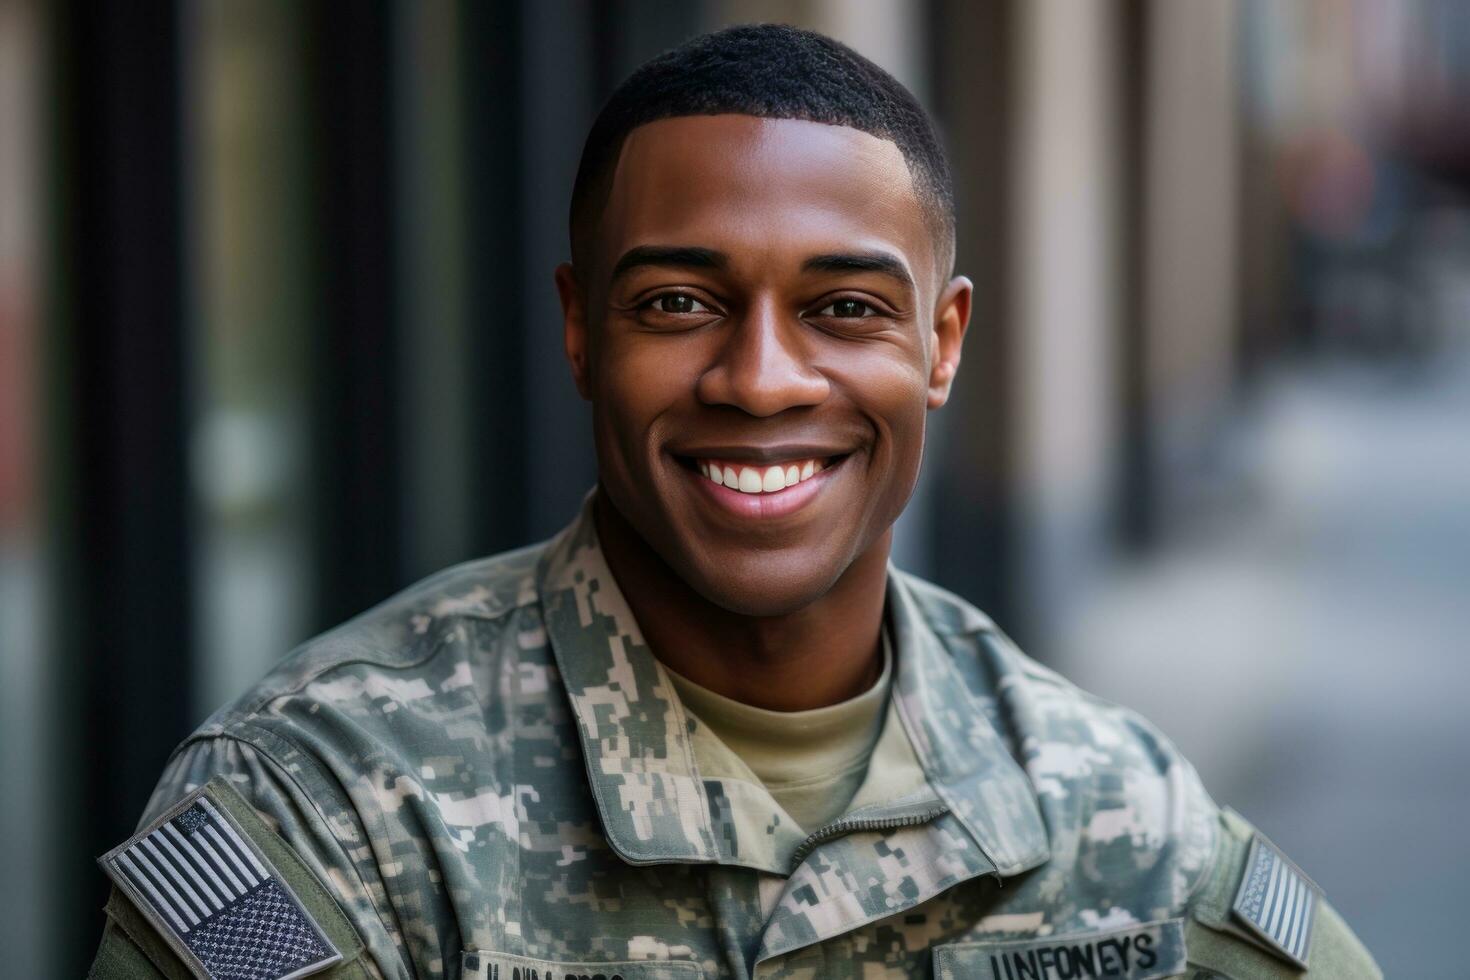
x,y
1062,734
1133,832
1130,825
412,649
420,690
332,752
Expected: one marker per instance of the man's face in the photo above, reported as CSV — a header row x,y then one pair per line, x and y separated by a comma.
x,y
761,311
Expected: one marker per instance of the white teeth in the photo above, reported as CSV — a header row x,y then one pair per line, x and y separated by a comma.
x,y
768,479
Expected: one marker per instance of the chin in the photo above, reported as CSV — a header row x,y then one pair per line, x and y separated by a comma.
x,y
760,591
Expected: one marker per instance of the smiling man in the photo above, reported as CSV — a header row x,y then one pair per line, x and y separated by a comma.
x,y
709,730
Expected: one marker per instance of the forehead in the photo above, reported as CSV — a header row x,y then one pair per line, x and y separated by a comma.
x,y
763,189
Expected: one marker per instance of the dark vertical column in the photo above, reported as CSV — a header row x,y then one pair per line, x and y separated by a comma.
x,y
558,47
357,512
626,33
116,442
612,24
494,97
1136,490
973,510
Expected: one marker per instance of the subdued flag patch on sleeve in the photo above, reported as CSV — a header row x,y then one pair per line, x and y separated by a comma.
x,y
216,898
1277,902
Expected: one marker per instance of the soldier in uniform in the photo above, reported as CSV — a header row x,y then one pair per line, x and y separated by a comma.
x,y
708,730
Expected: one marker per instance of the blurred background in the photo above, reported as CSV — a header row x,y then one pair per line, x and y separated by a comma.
x,y
278,336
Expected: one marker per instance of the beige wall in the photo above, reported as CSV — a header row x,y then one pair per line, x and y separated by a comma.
x,y
1189,221
1065,232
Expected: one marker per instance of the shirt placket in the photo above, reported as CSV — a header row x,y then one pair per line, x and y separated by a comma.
x,y
873,864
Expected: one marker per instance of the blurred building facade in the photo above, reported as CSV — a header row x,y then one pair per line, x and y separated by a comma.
x,y
278,337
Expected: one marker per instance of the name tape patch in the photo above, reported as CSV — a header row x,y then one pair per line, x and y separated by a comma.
x,y
1144,952
1277,902
216,899
488,965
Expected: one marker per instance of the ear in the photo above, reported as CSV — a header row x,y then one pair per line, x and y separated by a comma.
x,y
574,325
951,319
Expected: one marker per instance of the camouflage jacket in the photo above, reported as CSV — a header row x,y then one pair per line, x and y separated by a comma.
x,y
493,778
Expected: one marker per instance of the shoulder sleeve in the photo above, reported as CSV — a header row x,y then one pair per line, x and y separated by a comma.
x,y
1256,915
287,830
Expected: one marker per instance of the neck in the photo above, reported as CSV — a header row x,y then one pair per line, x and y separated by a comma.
x,y
820,654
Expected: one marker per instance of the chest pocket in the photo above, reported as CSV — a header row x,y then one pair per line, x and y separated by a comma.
x,y
1151,951
481,964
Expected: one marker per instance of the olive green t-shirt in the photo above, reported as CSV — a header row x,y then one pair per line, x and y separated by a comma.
x,y
811,762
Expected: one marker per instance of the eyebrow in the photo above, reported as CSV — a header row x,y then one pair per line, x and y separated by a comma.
x,y
696,257
680,256
883,263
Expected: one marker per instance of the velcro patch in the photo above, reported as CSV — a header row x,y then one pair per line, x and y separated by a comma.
x,y
1277,902
1141,952
481,964
215,898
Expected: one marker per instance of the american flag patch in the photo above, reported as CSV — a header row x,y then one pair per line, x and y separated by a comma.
x,y
216,898
1277,901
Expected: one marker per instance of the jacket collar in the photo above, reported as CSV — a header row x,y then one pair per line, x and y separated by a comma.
x,y
654,805
964,757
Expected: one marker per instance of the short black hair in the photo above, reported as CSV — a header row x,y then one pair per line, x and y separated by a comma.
x,y
777,72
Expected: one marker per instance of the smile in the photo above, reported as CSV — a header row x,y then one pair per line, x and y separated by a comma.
x,y
759,479
762,489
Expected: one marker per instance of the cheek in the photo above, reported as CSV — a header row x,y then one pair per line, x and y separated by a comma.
x,y
635,384
893,393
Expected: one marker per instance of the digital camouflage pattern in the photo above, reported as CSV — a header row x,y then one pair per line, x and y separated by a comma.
x,y
491,771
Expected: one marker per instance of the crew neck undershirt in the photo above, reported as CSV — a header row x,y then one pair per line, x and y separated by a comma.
x,y
811,762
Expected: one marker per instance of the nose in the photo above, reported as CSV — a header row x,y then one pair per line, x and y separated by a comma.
x,y
762,368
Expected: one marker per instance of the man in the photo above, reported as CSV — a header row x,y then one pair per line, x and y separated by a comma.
x,y
708,730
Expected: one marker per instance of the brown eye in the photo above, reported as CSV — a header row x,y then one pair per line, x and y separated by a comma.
x,y
845,308
677,303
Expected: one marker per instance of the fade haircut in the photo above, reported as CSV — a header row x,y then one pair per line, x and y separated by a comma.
x,y
772,71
